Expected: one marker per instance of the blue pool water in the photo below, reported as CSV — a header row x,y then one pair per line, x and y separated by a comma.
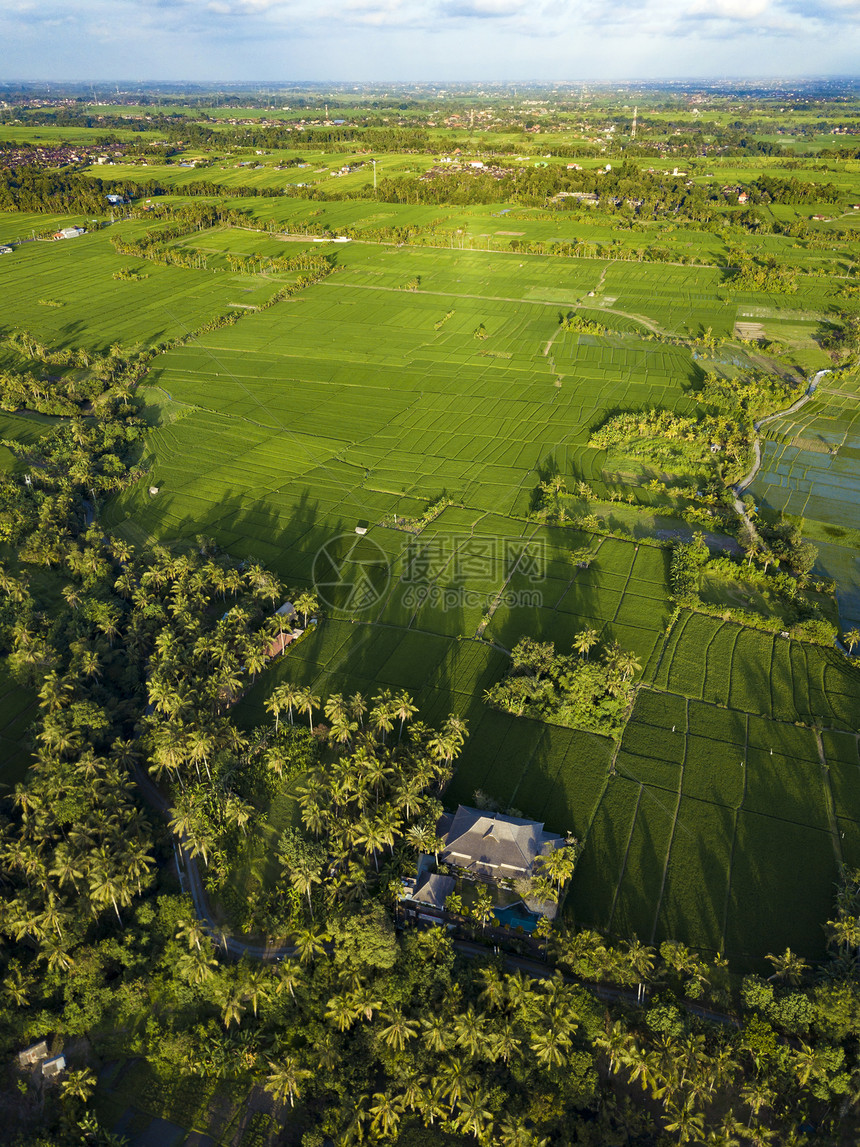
x,y
516,916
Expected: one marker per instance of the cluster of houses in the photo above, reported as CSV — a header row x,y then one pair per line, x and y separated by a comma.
x,y
347,169
449,166
55,155
36,1058
70,232
502,852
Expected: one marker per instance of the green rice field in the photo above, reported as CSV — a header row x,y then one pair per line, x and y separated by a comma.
x,y
421,374
716,791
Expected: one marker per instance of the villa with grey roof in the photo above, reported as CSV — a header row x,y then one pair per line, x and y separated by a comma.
x,y
503,853
490,846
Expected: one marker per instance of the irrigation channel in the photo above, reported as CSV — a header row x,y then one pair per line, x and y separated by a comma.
x,y
190,882
746,481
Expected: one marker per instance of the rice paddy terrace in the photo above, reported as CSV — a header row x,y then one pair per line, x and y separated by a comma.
x,y
437,374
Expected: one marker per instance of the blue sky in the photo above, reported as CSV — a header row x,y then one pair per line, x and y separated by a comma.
x,y
357,40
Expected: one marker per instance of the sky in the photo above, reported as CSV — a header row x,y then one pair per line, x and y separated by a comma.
x,y
426,40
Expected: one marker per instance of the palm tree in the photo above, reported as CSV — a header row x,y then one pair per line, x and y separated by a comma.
x,y
473,1117
357,708
787,967
289,978
342,729
851,638
455,1078
306,603
550,1045
306,702
559,865
373,835
304,877
381,715
628,664
310,943
470,1032
285,1079
288,696
483,909
386,1114
404,709
233,1008
79,1084
335,708
106,886
585,641
433,1105
514,1133
436,1033
423,838
196,967
616,1043
687,1123
341,1012
505,1042
399,1030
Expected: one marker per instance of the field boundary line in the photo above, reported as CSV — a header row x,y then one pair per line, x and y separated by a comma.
x,y
556,608
623,867
666,636
626,584
707,653
829,802
675,825
496,602
725,922
528,765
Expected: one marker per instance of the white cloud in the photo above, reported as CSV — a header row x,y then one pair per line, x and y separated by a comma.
x,y
427,39
731,9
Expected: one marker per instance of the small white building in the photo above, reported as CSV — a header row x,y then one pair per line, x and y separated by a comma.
x,y
51,1068
30,1056
70,232
4,250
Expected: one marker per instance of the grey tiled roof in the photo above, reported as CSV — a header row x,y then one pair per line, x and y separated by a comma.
x,y
494,845
435,890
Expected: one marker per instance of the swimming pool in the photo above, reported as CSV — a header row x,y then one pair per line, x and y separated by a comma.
x,y
516,916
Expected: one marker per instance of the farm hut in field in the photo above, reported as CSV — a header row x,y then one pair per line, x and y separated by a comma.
x,y
4,250
30,1056
70,232
51,1068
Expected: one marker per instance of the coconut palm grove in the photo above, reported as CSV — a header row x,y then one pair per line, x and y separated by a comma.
x,y
430,614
